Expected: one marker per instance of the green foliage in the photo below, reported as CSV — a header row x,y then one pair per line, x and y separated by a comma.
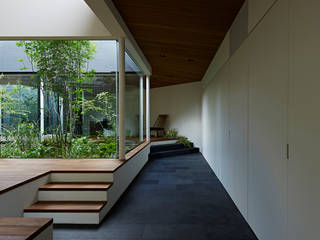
x,y
22,142
185,141
103,104
56,58
62,71
26,142
172,133
85,148
63,68
9,101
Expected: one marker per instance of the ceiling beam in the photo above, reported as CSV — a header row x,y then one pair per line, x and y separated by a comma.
x,y
112,20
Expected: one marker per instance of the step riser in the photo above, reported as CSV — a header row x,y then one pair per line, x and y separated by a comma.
x,y
166,147
46,234
66,217
81,177
58,195
172,154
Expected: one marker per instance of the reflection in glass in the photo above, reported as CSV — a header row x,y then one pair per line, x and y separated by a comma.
x,y
132,100
58,99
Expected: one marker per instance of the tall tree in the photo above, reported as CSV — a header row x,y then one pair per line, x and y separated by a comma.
x,y
63,67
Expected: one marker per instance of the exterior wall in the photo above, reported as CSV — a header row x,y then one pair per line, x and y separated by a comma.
x,y
183,105
45,18
260,120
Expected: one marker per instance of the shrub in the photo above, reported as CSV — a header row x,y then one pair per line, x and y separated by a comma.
x,y
25,142
172,133
185,141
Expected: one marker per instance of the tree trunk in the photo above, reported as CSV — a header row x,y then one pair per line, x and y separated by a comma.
x,y
71,118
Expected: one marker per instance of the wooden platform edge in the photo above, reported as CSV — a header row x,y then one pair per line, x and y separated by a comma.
x,y
41,229
23,182
128,156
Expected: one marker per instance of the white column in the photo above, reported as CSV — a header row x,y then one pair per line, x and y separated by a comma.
x,y
122,87
148,108
41,111
141,109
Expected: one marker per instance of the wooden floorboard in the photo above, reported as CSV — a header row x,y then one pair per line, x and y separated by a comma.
x,y
16,172
22,228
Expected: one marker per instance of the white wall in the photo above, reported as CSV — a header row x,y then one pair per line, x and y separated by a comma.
x,y
304,119
183,105
264,97
13,202
257,9
219,60
46,18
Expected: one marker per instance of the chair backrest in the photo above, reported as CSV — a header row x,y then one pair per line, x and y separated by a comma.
x,y
161,121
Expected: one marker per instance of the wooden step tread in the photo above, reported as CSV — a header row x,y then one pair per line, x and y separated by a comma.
x,y
76,186
66,206
23,228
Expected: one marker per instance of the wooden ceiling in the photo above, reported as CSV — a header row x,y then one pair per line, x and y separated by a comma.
x,y
178,37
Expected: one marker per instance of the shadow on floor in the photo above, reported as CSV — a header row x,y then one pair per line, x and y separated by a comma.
x,y
173,198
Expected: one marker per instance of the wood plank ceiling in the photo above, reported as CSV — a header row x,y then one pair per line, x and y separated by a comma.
x,y
178,37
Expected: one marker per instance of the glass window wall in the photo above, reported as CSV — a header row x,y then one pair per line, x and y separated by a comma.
x,y
58,99
132,101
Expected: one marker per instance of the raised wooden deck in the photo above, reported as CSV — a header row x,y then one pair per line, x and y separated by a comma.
x,y
22,228
16,172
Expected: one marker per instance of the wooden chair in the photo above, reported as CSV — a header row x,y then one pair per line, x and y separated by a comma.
x,y
159,126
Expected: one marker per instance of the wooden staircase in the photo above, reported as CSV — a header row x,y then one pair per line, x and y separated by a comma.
x,y
72,198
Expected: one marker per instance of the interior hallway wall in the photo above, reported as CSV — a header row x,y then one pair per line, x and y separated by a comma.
x,y
183,105
260,119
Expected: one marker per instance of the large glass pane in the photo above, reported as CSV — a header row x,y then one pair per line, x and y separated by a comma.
x,y
18,101
132,98
58,99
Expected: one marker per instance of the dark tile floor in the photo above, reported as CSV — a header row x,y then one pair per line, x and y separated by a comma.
x,y
173,198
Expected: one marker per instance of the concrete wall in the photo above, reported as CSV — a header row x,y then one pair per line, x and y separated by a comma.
x,y
183,105
46,18
260,120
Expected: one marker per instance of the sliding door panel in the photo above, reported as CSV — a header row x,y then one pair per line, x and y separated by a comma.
x,y
304,121
268,80
238,127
